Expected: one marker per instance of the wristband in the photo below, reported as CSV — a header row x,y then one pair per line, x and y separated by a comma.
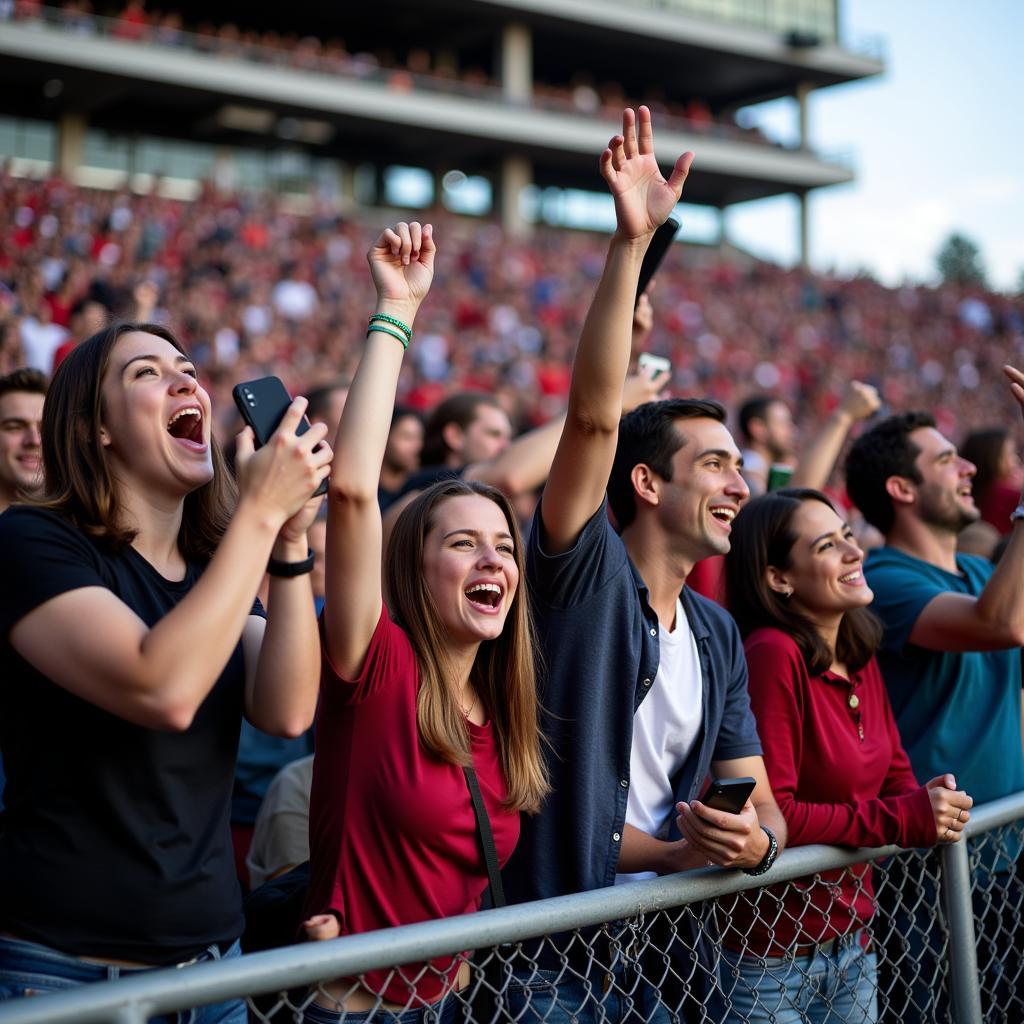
x,y
394,321
1018,512
288,569
387,330
769,858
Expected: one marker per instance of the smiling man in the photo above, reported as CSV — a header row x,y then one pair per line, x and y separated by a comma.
x,y
951,660
21,413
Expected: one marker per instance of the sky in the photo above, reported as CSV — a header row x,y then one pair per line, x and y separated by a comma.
x,y
937,143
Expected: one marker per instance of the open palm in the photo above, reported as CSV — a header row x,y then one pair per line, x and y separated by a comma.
x,y
643,198
402,262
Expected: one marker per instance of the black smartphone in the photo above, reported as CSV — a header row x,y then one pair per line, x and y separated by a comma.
x,y
729,794
263,403
655,254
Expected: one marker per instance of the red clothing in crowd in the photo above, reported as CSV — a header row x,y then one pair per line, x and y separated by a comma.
x,y
831,786
996,504
391,830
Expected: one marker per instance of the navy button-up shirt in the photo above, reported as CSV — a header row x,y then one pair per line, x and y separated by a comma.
x,y
599,643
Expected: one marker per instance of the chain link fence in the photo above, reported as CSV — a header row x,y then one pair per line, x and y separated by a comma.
x,y
830,936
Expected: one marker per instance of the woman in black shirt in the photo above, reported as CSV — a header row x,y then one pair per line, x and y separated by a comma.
x,y
131,643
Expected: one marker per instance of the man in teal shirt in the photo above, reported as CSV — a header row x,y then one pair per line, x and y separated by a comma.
x,y
954,626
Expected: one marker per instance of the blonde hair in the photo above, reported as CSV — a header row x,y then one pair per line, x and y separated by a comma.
x,y
503,674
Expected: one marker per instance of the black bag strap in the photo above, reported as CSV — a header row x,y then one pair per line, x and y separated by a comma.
x,y
486,837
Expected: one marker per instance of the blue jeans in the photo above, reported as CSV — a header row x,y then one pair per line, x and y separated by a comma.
x,y
561,997
444,1012
29,969
839,985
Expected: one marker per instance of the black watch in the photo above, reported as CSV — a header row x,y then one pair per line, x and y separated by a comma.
x,y
769,858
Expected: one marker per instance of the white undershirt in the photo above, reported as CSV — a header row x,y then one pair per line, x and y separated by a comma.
x,y
665,727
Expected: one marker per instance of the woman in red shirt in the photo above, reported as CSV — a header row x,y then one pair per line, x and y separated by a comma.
x,y
411,692
796,588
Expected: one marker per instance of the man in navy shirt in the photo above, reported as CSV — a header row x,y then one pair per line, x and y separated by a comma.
x,y
644,682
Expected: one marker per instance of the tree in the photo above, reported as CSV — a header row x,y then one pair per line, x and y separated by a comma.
x,y
959,261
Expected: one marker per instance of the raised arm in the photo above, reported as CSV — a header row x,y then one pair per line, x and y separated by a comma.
x,y
402,266
994,620
818,457
586,450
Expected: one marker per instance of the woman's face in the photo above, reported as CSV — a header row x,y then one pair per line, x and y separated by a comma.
x,y
469,567
826,566
156,417
1009,460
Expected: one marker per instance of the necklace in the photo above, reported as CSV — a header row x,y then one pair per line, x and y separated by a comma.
x,y
465,713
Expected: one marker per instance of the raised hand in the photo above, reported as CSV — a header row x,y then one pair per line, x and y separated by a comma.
x,y
402,263
643,198
1016,379
860,400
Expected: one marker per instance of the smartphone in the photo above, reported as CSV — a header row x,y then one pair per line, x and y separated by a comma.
x,y
655,254
263,403
652,365
729,794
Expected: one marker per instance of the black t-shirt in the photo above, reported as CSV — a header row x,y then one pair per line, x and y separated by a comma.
x,y
117,841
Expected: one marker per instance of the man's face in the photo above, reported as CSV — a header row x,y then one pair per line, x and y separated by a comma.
x,y
699,503
486,437
944,496
780,432
21,415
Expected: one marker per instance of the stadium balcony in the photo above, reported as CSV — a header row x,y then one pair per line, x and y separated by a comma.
x,y
91,73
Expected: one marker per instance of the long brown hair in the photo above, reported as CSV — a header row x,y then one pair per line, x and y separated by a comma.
x,y
504,671
763,536
78,482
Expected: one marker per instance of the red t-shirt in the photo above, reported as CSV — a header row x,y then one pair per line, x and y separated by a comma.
x,y
392,835
831,787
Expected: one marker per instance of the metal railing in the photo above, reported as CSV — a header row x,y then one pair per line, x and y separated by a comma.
x,y
945,936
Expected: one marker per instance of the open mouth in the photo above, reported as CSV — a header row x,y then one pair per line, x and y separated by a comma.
x,y
855,577
485,596
725,514
187,425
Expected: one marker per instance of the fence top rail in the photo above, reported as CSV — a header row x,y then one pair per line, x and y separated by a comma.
x,y
164,991
992,815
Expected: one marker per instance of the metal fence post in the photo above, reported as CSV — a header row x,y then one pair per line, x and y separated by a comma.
x,y
963,958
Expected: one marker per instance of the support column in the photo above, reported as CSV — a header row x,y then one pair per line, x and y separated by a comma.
x,y
70,143
803,92
516,173
805,230
515,62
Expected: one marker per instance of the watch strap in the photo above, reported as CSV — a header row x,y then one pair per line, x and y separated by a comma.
x,y
768,859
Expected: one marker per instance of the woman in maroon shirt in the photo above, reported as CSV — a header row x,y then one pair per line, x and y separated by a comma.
x,y
796,588
440,678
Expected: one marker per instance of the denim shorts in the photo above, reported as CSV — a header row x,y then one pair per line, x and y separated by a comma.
x,y
31,969
837,983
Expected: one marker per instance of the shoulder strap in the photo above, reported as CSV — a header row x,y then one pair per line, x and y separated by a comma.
x,y
486,838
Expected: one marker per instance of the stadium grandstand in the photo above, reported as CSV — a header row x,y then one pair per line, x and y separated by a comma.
x,y
483,98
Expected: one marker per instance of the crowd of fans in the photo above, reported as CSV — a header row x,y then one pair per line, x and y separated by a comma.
x,y
416,69
151,599
256,289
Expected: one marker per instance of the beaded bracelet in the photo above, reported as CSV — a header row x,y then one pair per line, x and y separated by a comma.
x,y
395,322
387,330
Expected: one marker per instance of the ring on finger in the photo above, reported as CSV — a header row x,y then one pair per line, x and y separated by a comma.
x,y
959,813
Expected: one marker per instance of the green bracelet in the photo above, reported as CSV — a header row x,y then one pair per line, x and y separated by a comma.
x,y
387,330
394,321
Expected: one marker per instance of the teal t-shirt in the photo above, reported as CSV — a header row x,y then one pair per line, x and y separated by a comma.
x,y
957,712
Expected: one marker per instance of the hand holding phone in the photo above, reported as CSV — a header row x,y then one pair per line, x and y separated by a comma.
x,y
262,404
